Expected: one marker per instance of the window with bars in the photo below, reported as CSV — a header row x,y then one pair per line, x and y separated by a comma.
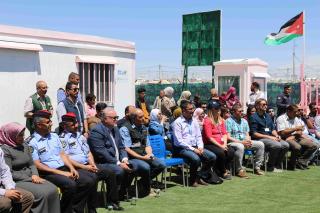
x,y
97,79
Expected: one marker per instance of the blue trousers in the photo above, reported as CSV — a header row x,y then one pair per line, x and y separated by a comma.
x,y
194,161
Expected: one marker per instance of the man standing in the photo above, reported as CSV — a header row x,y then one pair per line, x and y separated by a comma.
x,y
284,100
255,93
142,104
37,101
76,147
188,144
55,166
12,199
107,148
158,101
137,145
263,129
291,130
238,134
72,104
61,93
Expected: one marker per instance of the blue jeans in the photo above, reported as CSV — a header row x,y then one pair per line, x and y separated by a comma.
x,y
194,161
147,170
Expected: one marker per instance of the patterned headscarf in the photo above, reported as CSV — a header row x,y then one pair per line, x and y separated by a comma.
x,y
9,133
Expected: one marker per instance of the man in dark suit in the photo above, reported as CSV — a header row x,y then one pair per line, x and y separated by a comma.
x,y
107,148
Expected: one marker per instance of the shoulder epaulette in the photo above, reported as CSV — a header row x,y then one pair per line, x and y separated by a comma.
x,y
28,139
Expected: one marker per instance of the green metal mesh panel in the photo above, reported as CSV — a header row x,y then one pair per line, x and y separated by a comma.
x,y
203,89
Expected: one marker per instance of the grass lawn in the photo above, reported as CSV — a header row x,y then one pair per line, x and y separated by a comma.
x,y
290,191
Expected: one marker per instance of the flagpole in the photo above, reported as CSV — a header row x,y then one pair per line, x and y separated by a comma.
x,y
303,86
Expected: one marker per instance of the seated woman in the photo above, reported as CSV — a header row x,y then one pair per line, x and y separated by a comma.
x,y
215,139
199,116
157,121
24,173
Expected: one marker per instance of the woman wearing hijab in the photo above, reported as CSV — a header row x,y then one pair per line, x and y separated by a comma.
x,y
230,98
185,95
156,125
24,173
168,103
199,116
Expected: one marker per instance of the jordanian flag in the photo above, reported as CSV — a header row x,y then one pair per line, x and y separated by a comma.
x,y
290,30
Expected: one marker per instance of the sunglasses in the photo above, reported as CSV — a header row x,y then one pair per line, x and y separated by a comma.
x,y
74,89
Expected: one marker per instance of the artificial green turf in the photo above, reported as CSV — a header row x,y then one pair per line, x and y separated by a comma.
x,y
290,191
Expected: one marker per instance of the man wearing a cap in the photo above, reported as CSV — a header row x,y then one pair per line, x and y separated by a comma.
x,y
72,104
37,101
76,147
55,166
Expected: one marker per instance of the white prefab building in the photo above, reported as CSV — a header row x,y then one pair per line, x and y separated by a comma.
x,y
240,73
106,68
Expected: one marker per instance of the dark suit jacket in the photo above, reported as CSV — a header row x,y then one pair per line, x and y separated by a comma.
x,y
102,147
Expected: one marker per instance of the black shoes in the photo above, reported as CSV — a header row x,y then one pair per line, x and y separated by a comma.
x,y
114,207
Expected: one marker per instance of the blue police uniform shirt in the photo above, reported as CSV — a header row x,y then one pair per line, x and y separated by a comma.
x,y
75,146
47,149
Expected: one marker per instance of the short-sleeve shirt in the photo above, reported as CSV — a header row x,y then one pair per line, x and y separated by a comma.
x,y
75,146
237,130
47,149
262,124
213,131
284,122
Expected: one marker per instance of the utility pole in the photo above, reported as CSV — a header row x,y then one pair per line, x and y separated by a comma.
x,y
160,77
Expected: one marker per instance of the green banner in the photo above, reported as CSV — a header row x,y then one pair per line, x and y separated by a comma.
x,y
201,38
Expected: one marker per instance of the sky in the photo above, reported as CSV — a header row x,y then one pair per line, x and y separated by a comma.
x,y
156,27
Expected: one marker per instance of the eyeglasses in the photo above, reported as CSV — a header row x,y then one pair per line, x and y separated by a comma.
x,y
114,118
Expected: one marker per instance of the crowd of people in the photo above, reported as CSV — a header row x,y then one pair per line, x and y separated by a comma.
x,y
58,170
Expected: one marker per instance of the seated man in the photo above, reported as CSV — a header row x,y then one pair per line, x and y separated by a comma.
x,y
127,114
12,199
238,135
263,129
55,166
135,139
76,147
291,130
188,144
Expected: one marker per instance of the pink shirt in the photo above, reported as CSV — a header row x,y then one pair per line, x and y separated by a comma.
x,y
213,131
90,111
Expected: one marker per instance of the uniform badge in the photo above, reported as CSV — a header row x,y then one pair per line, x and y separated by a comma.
x,y
31,149
42,150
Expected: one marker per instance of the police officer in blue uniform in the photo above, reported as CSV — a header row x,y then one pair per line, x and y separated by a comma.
x,y
55,166
77,148
284,100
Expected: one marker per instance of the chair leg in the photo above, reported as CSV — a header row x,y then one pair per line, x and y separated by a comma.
x,y
165,179
136,185
183,180
170,171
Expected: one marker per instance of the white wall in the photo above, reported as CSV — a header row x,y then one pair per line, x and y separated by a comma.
x,y
20,70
